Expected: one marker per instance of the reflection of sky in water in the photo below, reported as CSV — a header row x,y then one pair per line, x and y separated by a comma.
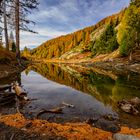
x,y
96,94
50,94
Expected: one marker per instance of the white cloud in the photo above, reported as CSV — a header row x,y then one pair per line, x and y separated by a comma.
x,y
59,17
30,39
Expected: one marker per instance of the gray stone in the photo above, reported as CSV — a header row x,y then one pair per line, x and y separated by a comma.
x,y
124,137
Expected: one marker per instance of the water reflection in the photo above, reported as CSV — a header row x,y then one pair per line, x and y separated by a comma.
x,y
106,87
94,92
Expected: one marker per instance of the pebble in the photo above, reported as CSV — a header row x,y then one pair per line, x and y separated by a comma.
x,y
124,137
24,129
43,134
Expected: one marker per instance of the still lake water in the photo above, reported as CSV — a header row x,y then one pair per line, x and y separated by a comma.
x,y
93,92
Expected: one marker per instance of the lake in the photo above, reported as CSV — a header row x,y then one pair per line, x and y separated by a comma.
x,y
94,93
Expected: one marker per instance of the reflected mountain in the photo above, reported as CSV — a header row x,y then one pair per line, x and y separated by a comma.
x,y
94,92
105,86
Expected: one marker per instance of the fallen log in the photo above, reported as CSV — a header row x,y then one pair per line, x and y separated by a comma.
x,y
68,105
5,87
21,93
58,110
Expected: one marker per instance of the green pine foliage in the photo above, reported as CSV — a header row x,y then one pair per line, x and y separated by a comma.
x,y
13,47
106,43
129,31
127,43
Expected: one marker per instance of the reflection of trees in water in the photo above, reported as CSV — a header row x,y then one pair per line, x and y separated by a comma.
x,y
100,86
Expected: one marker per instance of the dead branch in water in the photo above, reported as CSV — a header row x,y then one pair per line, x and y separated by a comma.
x,y
68,105
17,106
58,110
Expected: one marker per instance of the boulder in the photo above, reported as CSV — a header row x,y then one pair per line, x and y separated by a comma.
x,y
118,136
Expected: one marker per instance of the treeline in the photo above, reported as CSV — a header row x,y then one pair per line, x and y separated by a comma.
x,y
120,31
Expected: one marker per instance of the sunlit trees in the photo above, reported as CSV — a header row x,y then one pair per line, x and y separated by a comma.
x,y
55,48
26,52
121,31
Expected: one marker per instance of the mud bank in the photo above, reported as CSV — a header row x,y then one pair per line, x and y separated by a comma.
x,y
12,68
6,70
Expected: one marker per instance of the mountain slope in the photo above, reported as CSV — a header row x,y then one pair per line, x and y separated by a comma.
x,y
118,32
77,41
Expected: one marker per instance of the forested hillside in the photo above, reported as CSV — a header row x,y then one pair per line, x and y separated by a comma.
x,y
117,32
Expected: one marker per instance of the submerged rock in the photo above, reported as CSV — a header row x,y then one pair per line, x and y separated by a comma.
x,y
91,121
129,107
107,125
124,137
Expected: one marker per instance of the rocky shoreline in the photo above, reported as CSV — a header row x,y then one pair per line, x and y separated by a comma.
x,y
118,66
17,127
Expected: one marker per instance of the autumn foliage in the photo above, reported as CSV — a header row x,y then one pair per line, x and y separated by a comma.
x,y
119,31
56,47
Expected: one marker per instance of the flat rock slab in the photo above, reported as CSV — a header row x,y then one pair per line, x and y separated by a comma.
x,y
124,137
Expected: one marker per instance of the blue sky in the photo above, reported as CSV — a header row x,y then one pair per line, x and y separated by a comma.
x,y
59,17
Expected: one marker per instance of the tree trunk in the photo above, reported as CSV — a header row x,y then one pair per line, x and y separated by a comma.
x,y
17,29
137,40
0,1
130,56
5,26
1,5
